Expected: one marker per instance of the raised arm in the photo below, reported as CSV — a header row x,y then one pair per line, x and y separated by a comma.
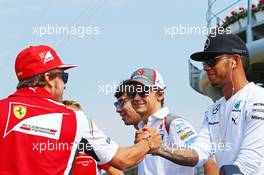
x,y
131,156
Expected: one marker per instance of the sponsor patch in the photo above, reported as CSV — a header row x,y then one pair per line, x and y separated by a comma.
x,y
257,117
48,125
236,110
186,135
180,131
258,110
258,104
213,123
37,129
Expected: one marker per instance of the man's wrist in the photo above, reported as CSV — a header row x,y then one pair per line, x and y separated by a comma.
x,y
147,141
160,150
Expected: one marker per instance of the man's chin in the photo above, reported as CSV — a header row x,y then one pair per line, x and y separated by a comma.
x,y
140,112
216,85
126,123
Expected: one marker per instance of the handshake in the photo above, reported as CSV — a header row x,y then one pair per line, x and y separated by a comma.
x,y
151,136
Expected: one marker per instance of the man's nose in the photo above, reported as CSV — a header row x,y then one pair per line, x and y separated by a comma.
x,y
206,67
118,109
137,97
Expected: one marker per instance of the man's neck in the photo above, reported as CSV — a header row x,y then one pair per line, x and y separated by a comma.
x,y
233,87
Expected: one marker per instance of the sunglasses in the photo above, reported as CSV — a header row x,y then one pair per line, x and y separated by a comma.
x,y
214,60
143,92
119,103
64,76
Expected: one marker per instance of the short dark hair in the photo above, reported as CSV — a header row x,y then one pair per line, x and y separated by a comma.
x,y
36,81
245,62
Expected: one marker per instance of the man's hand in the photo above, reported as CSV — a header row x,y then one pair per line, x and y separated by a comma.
x,y
152,137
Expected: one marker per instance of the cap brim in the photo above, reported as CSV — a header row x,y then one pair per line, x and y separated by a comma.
x,y
143,82
201,56
67,66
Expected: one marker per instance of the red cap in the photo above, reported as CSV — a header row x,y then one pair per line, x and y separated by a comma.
x,y
35,60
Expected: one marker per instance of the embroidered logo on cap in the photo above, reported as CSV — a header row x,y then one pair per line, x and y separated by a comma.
x,y
207,43
140,72
46,57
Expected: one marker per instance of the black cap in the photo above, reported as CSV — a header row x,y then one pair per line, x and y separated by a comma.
x,y
224,43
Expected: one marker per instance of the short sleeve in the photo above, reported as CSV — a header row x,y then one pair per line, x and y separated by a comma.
x,y
105,148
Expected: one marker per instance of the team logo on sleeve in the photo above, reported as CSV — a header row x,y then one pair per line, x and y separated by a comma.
x,y
19,111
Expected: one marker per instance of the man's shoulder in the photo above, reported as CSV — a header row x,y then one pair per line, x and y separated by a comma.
x,y
254,96
179,123
256,92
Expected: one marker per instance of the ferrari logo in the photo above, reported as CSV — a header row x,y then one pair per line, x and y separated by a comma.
x,y
46,56
20,111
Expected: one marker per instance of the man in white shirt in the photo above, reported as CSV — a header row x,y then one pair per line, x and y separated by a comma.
x,y
146,91
233,126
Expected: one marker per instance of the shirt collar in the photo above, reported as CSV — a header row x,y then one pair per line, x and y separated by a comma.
x,y
160,114
33,92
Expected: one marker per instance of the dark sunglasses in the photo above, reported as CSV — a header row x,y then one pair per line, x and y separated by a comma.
x,y
64,76
212,61
142,92
119,103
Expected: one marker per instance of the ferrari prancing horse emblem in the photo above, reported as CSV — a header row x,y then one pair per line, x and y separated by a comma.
x,y
19,111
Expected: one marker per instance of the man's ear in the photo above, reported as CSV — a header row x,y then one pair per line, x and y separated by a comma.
x,y
48,79
236,61
160,95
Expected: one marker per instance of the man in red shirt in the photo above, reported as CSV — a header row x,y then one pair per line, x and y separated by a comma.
x,y
85,163
42,134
